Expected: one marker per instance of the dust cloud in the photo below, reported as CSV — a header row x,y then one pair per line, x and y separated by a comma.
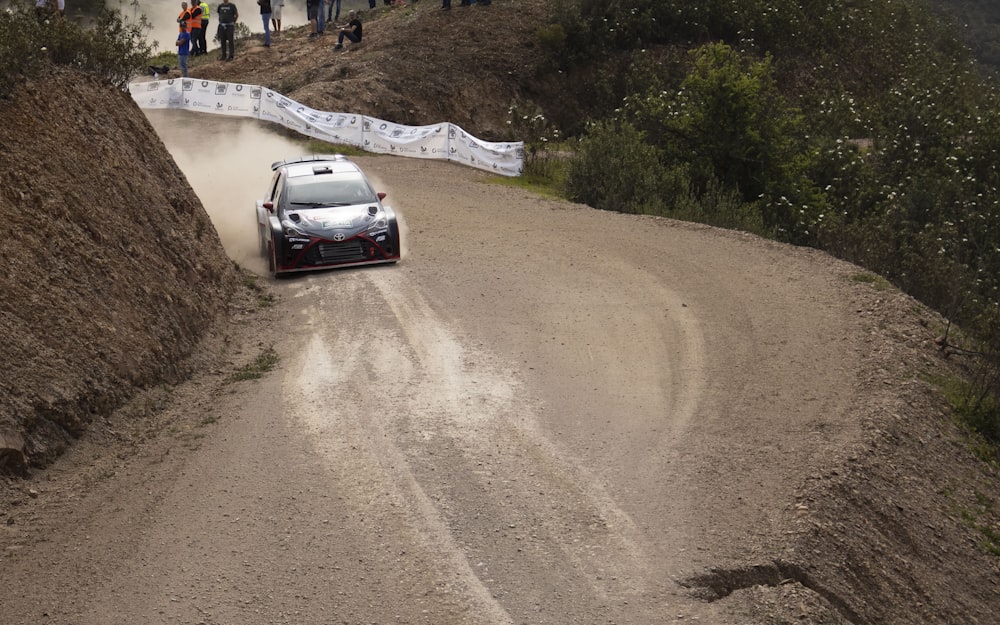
x,y
228,164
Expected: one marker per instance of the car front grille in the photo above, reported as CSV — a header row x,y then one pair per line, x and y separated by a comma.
x,y
336,253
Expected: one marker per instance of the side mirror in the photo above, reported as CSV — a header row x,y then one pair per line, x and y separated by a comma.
x,y
381,195
269,206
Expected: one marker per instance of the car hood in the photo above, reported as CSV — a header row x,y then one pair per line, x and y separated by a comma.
x,y
323,221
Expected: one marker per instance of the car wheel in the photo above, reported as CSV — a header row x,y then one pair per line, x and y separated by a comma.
x,y
262,240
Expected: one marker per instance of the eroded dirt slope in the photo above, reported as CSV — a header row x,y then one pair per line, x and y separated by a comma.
x,y
112,270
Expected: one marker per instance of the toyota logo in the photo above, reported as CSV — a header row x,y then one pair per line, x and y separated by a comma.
x,y
338,237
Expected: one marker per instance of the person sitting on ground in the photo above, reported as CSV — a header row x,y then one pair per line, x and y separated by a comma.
x,y
354,34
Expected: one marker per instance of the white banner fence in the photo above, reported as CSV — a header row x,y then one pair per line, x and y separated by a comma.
x,y
442,141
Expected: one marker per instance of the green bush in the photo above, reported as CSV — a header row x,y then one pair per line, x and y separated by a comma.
x,y
113,49
635,182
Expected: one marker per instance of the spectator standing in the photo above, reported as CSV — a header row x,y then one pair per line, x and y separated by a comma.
x,y
276,6
184,17
183,49
194,26
202,40
320,18
228,14
265,16
312,8
332,17
371,4
445,5
352,31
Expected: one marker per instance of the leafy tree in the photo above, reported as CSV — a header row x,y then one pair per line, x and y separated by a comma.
x,y
636,183
113,49
730,125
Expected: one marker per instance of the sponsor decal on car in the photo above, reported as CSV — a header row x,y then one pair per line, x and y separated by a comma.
x,y
326,224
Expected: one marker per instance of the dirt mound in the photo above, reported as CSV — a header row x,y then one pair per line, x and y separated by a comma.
x,y
417,65
112,268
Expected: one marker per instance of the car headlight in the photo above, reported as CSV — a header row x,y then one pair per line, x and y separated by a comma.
x,y
292,230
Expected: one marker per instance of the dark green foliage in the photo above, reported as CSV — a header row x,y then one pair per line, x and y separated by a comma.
x,y
112,48
978,24
634,185
861,127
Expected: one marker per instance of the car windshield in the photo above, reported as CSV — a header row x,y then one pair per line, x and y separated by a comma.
x,y
329,190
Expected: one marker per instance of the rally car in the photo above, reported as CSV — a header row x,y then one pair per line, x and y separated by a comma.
x,y
320,212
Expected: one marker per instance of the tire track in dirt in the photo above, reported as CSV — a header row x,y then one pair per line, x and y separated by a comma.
x,y
454,440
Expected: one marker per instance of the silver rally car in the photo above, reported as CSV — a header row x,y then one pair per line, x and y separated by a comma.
x,y
321,212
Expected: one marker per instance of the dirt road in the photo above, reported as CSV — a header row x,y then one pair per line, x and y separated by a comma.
x,y
543,414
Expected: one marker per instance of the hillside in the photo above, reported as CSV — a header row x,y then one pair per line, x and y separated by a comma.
x,y
397,73
115,277
112,269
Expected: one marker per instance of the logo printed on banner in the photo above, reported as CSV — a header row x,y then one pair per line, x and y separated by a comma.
x,y
442,141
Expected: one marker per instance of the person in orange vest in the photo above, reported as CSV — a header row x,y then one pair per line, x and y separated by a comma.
x,y
194,27
184,17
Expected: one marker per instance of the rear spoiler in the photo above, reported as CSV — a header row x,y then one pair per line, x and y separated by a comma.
x,y
312,158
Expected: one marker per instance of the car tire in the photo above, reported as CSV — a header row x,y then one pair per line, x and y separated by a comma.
x,y
272,260
262,240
